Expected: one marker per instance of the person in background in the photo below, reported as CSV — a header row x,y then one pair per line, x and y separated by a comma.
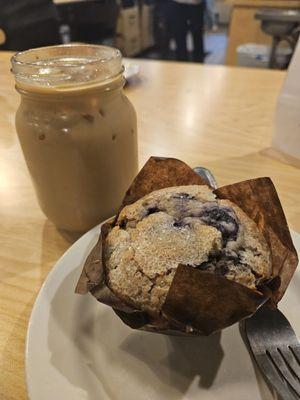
x,y
184,16
211,15
162,26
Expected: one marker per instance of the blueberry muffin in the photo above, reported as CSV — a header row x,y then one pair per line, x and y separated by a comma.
x,y
181,225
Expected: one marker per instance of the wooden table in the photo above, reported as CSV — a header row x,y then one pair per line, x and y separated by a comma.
x,y
219,117
244,28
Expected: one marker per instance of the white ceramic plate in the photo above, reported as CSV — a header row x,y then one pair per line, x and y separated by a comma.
x,y
131,69
78,349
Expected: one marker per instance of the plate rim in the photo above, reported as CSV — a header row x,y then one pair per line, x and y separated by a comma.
x,y
47,279
92,232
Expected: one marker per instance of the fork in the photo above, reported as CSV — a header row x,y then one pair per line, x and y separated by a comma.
x,y
276,350
270,340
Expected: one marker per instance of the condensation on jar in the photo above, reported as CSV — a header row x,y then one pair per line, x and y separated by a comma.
x,y
77,130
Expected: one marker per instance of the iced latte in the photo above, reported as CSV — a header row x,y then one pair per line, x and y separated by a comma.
x,y
77,130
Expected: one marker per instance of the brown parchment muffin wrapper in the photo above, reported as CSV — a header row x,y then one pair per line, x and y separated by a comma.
x,y
200,303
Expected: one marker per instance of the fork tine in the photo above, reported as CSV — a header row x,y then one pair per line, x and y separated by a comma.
x,y
276,349
280,363
296,351
275,378
291,361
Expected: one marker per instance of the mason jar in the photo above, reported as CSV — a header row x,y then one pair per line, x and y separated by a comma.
x,y
77,130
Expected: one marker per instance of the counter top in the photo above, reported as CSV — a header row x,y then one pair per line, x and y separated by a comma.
x,y
215,116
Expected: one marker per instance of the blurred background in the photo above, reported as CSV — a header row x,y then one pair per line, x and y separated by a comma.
x,y
252,33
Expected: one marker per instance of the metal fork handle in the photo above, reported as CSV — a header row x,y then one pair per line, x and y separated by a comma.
x,y
207,175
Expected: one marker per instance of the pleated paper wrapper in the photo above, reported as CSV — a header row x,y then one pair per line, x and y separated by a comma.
x,y
200,303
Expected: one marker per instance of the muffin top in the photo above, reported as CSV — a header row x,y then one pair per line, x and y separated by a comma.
x,y
181,225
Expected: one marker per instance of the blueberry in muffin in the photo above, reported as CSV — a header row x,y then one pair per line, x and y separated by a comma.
x,y
182,225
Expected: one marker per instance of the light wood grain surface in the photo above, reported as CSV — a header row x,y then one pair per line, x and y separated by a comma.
x,y
219,117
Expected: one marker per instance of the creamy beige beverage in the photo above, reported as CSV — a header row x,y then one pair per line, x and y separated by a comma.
x,y
77,130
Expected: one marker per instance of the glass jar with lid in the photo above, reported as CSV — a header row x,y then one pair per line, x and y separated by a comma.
x,y
77,130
